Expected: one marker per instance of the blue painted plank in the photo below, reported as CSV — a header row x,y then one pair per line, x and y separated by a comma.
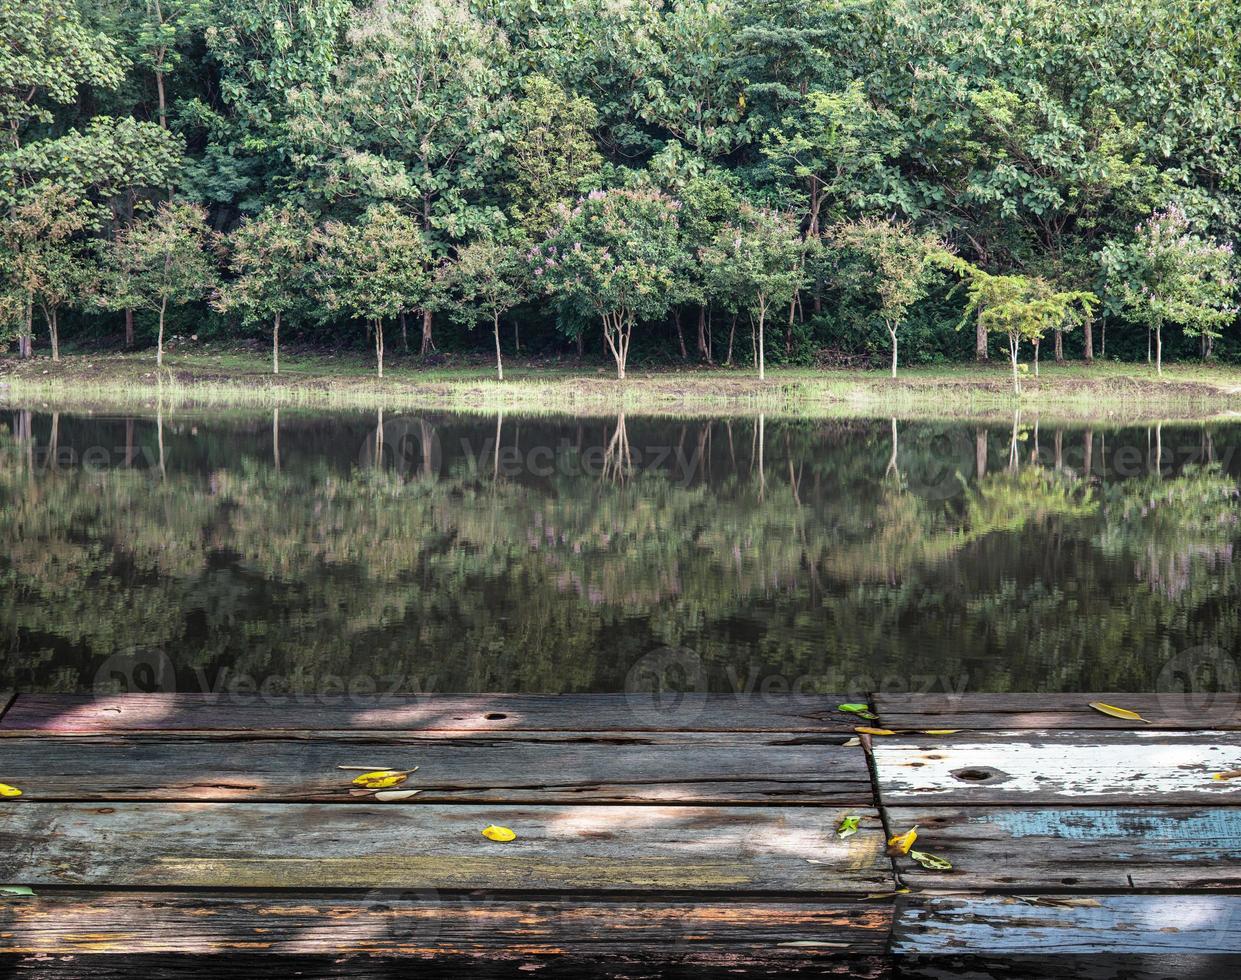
x,y
1087,849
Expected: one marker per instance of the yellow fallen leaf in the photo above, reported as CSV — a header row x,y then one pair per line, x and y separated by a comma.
x,y
1123,713
874,731
931,862
395,796
501,834
1230,774
382,779
901,843
898,891
940,731
8,791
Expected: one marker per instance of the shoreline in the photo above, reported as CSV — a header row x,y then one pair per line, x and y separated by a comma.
x,y
216,380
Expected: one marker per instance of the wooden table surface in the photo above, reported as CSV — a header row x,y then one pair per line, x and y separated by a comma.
x,y
165,833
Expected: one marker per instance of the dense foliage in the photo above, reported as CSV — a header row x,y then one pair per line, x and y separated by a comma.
x,y
1070,149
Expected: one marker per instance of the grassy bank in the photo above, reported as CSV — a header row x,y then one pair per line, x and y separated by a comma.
x,y
219,378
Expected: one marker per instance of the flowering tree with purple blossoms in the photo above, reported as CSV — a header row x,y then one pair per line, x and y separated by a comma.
x,y
1168,274
613,253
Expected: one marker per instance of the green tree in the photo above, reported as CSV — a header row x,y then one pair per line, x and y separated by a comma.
x,y
269,257
160,261
761,257
897,263
1018,307
47,53
374,269
551,153
1169,274
43,257
614,254
414,115
485,280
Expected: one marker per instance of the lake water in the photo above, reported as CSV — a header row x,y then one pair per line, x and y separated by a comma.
x,y
374,552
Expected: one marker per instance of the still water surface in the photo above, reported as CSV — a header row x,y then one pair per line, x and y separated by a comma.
x,y
424,552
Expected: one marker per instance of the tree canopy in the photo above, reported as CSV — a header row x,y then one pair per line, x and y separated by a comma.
x,y
1031,138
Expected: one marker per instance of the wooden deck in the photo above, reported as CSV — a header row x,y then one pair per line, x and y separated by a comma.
x,y
161,834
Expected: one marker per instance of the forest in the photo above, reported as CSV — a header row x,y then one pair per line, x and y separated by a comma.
x,y
750,182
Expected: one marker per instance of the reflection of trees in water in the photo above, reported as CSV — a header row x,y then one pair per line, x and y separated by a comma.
x,y
809,549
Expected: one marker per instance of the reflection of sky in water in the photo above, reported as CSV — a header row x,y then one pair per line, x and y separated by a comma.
x,y
452,553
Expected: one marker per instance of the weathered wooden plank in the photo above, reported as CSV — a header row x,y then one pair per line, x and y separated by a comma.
x,y
1084,849
1158,767
1065,711
480,712
616,964
467,767
1007,925
569,935
608,848
1135,937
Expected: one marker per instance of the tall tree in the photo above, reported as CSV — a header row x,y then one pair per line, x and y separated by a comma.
x,y
485,280
1169,274
894,261
269,258
761,257
374,269
551,152
161,261
613,254
43,256
414,115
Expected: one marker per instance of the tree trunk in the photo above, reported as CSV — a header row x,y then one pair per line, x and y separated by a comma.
x,y
703,348
980,343
129,328
1059,349
163,102
980,452
1159,349
25,343
676,318
892,334
275,345
404,331
732,333
1088,338
1148,345
53,331
1037,343
499,363
762,318
517,337
159,344
428,344
379,346
1013,343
